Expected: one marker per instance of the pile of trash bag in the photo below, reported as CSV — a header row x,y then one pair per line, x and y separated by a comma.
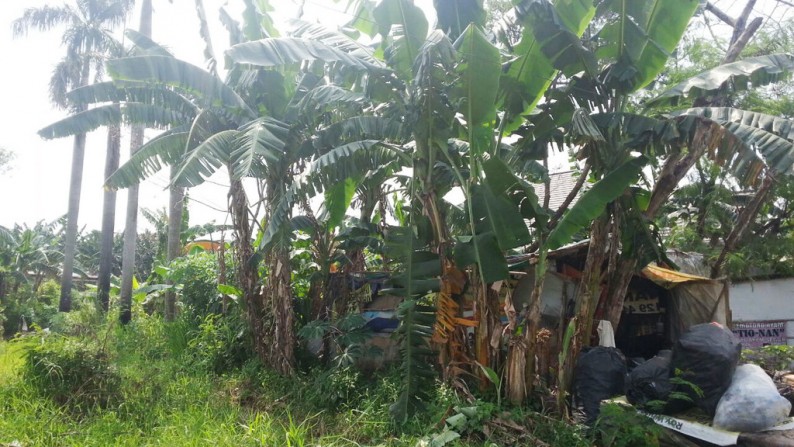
x,y
703,360
600,373
650,381
701,370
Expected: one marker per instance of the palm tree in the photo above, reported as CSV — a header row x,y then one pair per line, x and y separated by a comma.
x,y
131,222
86,40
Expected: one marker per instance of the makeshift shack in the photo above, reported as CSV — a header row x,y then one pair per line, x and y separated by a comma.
x,y
660,304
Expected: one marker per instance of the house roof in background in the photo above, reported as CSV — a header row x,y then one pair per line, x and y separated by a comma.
x,y
560,185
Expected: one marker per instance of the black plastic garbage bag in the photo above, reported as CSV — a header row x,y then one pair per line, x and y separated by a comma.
x,y
600,373
650,381
706,357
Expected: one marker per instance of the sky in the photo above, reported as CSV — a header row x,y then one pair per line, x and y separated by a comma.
x,y
37,185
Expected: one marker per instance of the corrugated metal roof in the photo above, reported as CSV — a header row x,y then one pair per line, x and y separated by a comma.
x,y
561,184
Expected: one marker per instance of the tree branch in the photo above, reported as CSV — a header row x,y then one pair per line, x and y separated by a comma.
x,y
720,14
743,222
736,48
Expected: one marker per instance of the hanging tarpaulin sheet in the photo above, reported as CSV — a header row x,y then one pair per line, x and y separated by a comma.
x,y
754,334
698,302
669,278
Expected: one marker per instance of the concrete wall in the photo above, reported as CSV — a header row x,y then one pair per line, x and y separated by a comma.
x,y
764,300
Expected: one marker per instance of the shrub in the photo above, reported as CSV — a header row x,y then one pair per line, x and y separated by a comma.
x,y
74,373
335,387
770,358
198,275
32,308
618,426
220,344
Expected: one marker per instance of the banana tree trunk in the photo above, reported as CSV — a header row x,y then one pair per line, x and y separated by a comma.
x,y
248,272
277,296
131,220
108,220
588,292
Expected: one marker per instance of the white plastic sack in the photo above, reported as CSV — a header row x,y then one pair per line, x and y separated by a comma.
x,y
751,403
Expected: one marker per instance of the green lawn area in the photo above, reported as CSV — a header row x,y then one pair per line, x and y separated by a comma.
x,y
164,401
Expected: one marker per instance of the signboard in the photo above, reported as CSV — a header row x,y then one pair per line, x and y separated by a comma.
x,y
754,334
641,303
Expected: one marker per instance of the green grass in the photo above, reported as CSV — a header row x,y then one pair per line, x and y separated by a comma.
x,y
166,402
168,397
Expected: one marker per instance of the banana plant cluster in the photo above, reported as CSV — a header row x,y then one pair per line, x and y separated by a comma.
x,y
429,112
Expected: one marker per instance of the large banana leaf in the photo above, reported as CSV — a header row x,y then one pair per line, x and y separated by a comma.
x,y
153,156
478,67
733,77
641,37
501,180
203,161
187,77
742,145
260,142
281,51
358,159
418,276
335,39
146,45
562,46
593,202
530,72
329,97
455,15
357,128
777,153
498,222
136,92
781,127
132,113
337,201
403,27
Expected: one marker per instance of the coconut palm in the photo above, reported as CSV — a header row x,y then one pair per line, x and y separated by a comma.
x,y
131,220
86,39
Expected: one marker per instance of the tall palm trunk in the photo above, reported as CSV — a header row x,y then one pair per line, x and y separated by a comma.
x,y
131,224
175,206
75,187
108,219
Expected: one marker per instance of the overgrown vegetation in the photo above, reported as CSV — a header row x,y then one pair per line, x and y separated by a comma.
x,y
262,338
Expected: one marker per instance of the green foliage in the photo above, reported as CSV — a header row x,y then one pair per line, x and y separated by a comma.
x,y
770,358
220,344
335,388
736,76
76,374
618,426
198,275
346,336
593,203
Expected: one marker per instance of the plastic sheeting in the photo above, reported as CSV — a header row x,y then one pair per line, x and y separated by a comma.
x,y
697,302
